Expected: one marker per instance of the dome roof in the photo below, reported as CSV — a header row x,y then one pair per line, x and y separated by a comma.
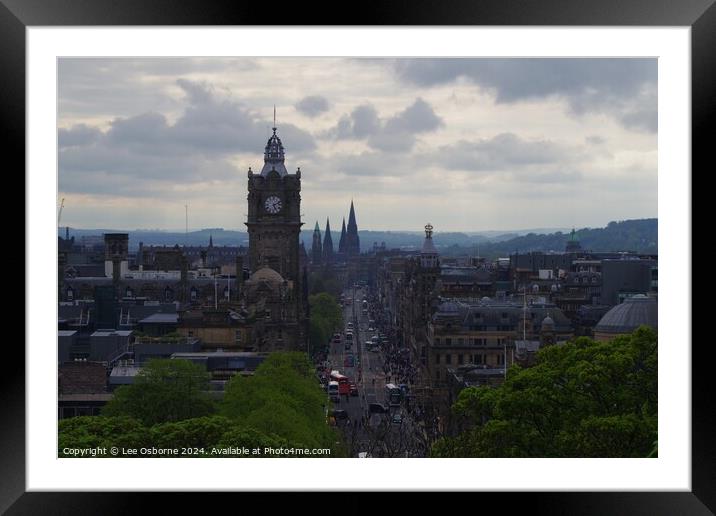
x,y
266,274
274,156
547,323
629,315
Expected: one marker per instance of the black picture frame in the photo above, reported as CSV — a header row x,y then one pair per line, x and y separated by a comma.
x,y
700,15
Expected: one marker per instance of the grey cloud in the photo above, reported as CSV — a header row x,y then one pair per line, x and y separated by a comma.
x,y
595,140
392,141
147,149
396,134
365,121
80,134
110,87
313,105
502,151
417,118
613,86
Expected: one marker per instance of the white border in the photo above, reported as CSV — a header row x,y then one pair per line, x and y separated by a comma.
x,y
671,471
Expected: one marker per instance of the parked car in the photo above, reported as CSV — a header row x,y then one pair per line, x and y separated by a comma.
x,y
339,414
354,390
398,418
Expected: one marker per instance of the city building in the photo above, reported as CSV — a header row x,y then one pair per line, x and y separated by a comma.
x,y
626,317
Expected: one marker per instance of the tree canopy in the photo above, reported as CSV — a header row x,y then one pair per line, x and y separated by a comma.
x,y
581,399
326,319
163,390
280,405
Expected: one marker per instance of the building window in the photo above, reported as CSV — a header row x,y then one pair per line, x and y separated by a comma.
x,y
437,341
128,293
448,341
437,375
193,294
70,294
448,358
437,358
238,336
461,342
460,359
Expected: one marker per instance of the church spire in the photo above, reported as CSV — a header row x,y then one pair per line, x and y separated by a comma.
x,y
327,244
316,248
352,240
342,241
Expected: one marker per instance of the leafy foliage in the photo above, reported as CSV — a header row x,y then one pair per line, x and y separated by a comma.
x,y
282,398
326,319
281,405
582,399
164,390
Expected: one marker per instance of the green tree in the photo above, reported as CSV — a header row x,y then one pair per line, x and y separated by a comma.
x,y
100,431
324,306
581,399
281,399
164,390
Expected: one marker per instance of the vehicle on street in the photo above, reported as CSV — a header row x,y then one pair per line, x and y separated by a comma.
x,y
393,395
339,414
377,408
333,393
337,338
397,418
370,328
349,361
354,389
364,455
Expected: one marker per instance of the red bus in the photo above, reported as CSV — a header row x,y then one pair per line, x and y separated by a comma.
x,y
344,386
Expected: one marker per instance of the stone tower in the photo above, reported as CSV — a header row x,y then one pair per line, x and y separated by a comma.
x,y
274,214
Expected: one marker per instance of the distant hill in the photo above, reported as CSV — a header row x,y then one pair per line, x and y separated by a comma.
x,y
639,236
628,235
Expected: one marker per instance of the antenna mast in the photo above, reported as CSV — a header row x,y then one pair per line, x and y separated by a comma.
x,y
186,227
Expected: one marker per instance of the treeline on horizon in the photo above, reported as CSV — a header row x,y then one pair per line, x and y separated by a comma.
x,y
638,235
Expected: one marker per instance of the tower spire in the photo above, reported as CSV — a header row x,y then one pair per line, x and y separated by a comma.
x,y
274,118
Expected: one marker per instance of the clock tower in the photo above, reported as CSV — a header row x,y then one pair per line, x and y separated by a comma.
x,y
274,214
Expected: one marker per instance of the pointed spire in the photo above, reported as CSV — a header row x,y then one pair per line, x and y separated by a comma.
x,y
352,240
211,240
342,241
327,244
352,216
274,118
316,247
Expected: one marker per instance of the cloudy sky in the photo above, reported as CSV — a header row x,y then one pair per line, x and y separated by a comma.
x,y
466,144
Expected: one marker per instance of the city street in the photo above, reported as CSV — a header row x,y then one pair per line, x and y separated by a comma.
x,y
375,434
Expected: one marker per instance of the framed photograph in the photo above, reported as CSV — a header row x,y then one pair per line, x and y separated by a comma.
x,y
465,178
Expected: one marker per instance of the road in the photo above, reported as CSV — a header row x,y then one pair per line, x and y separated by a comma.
x,y
376,433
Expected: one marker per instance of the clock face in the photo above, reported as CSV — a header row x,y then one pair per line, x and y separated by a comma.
x,y
272,204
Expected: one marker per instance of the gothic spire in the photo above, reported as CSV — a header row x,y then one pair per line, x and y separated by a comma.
x,y
342,241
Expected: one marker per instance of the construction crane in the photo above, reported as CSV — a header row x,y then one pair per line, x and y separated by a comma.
x,y
59,215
